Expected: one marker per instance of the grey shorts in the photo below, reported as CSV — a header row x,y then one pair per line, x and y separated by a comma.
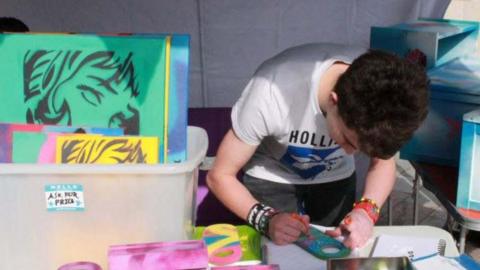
x,y
326,204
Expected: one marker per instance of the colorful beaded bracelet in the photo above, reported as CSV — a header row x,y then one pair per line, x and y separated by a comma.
x,y
369,206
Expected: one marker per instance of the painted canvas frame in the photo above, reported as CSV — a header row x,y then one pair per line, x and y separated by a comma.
x,y
468,197
136,82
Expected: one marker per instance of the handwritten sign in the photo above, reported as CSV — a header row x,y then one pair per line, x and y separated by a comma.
x,y
64,197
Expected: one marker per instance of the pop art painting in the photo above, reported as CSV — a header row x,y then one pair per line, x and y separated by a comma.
x,y
134,82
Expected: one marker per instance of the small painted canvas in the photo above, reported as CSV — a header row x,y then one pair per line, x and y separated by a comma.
x,y
221,238
6,140
34,147
135,82
29,154
190,254
94,149
468,197
223,244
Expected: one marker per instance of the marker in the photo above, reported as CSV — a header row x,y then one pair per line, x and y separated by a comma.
x,y
304,222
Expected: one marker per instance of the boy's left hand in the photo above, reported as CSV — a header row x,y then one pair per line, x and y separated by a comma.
x,y
357,227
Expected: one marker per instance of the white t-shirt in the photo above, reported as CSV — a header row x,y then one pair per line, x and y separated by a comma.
x,y
279,111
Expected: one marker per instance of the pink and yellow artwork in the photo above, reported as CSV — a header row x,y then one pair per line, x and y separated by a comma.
x,y
35,147
94,149
28,143
47,150
223,244
191,254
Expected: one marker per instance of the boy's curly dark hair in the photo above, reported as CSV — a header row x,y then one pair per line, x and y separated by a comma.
x,y
384,99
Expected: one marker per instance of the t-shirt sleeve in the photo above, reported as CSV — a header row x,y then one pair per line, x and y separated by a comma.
x,y
256,114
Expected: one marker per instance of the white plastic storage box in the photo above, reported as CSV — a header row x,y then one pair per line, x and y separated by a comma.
x,y
455,90
102,205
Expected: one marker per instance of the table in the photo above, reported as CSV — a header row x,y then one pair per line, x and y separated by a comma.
x,y
412,231
431,176
291,257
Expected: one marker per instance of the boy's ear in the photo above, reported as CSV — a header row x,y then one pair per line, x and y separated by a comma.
x,y
333,98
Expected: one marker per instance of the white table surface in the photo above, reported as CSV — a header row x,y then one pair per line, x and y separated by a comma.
x,y
288,257
412,231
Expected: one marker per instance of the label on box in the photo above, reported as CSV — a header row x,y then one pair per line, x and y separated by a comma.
x,y
64,197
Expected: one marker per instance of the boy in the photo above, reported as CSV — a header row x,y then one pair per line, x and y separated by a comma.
x,y
295,128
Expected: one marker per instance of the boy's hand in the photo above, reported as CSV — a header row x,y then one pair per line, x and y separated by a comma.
x,y
306,222
357,227
285,228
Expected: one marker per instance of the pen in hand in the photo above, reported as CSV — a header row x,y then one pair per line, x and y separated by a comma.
x,y
304,222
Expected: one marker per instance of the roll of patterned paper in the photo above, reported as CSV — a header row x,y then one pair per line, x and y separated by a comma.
x,y
80,266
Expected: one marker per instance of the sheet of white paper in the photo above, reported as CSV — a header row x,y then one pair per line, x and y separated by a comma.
x,y
412,247
292,257
438,262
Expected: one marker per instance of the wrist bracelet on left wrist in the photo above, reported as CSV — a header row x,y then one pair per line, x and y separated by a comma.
x,y
370,207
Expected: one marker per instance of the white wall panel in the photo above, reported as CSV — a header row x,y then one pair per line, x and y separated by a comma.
x,y
229,38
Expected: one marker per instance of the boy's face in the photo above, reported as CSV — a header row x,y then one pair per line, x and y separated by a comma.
x,y
340,133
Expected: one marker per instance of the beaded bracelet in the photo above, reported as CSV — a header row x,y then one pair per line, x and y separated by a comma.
x,y
370,206
259,217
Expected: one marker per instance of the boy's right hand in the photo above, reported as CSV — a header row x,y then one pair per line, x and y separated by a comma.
x,y
284,228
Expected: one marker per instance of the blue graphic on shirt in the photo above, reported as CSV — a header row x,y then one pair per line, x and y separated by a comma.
x,y
308,162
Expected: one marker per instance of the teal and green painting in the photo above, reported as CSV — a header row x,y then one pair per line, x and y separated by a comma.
x,y
135,82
